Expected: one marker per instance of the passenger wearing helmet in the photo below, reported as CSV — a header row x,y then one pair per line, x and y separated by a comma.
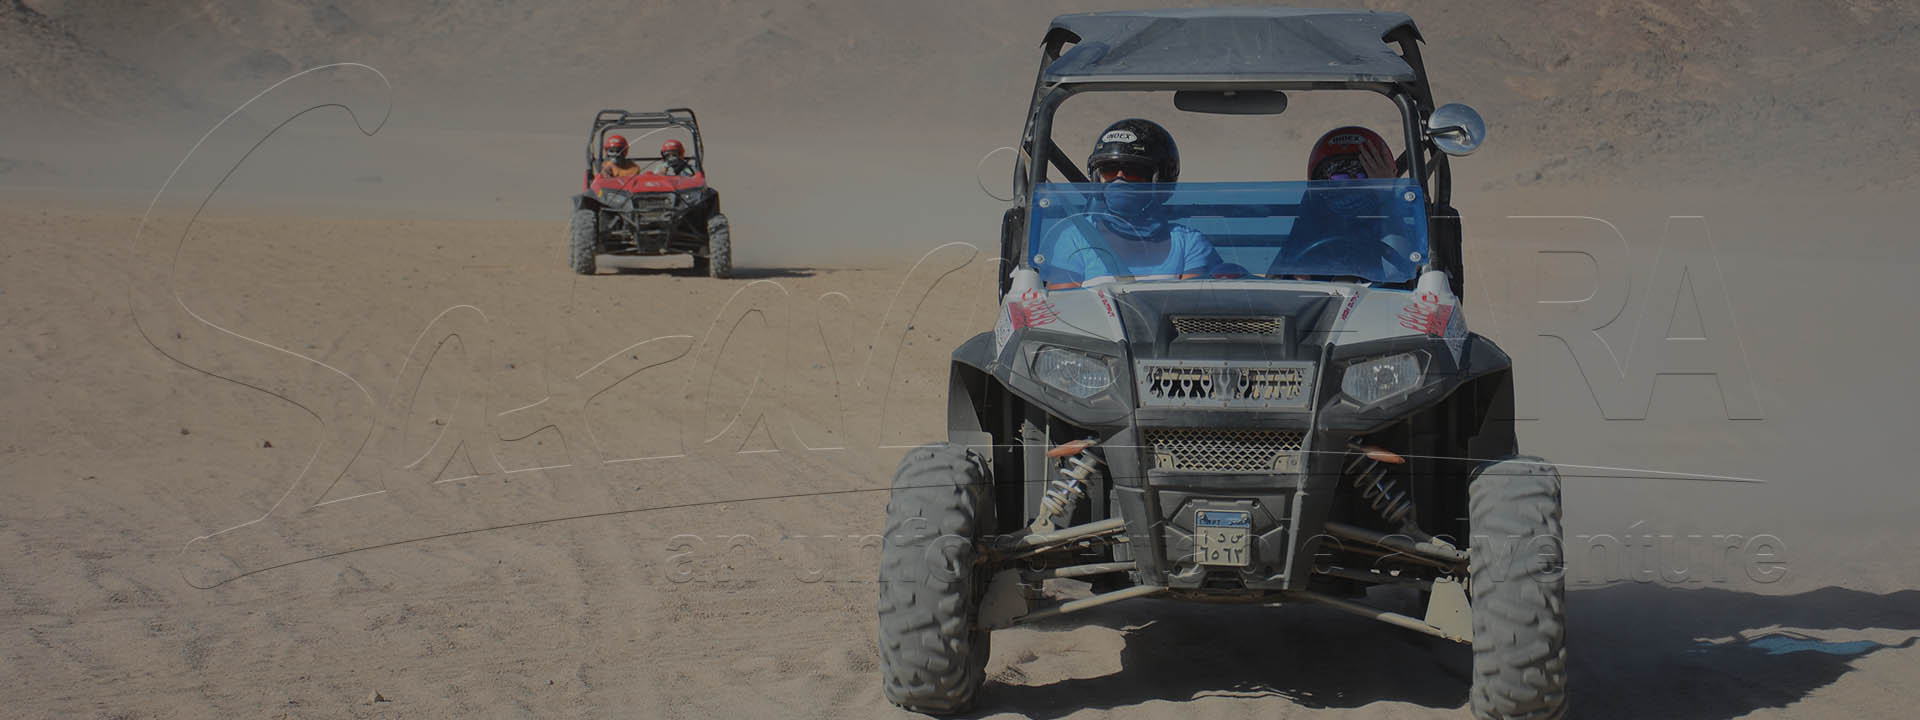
x,y
1125,236
1342,229
673,160
616,163
1350,153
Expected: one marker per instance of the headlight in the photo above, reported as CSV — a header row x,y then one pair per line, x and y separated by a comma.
x,y
1079,374
1374,380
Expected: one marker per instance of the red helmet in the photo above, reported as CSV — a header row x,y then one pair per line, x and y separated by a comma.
x,y
673,146
1338,152
616,146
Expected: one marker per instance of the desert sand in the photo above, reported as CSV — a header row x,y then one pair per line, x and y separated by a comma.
x,y
337,434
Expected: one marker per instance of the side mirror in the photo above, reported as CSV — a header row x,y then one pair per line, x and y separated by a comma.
x,y
1456,129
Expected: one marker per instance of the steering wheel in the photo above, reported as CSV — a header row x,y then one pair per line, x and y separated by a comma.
x,y
1345,252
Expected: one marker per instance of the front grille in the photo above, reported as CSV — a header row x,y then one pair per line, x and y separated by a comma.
x,y
652,201
654,206
1270,384
1226,450
1224,384
1259,326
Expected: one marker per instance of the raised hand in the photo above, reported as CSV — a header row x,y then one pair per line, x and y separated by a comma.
x,y
1377,162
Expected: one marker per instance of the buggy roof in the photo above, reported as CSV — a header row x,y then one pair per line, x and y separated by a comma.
x,y
682,117
607,121
1230,45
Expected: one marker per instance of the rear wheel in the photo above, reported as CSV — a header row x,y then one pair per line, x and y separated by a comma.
x,y
1518,592
583,240
719,260
933,652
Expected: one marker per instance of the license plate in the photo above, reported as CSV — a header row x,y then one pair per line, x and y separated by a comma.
x,y
1221,536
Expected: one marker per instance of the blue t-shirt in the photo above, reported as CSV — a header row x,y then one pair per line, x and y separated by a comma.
x,y
1174,251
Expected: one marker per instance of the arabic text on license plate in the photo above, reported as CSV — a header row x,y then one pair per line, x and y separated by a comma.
x,y
1221,536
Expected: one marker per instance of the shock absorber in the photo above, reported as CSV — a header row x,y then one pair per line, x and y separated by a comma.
x,y
1369,470
1065,492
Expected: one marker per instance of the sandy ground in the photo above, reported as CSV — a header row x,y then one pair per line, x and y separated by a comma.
x,y
354,442
271,466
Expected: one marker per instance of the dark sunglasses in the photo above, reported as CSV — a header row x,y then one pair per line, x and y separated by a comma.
x,y
1123,174
1341,168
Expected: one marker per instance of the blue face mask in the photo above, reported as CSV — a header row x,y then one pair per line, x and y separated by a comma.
x,y
1130,201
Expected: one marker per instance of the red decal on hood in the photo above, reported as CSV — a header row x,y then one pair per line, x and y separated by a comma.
x,y
1426,315
1032,314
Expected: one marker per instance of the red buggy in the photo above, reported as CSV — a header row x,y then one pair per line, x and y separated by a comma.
x,y
654,212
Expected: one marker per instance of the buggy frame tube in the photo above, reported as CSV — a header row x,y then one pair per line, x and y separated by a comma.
x,y
614,119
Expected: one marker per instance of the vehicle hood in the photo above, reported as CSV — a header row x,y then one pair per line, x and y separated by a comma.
x,y
649,183
1177,322
1227,323
1209,319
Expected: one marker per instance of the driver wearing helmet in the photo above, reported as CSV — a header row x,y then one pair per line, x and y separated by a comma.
x,y
1342,229
673,160
616,163
1124,236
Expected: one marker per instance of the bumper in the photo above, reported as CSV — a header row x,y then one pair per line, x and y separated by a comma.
x,y
1285,512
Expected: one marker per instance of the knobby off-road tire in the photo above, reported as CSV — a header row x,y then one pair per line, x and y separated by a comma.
x,y
583,240
1518,592
933,654
719,247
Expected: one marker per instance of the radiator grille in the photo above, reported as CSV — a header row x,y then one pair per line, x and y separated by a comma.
x,y
654,206
1183,382
1269,383
1177,383
1226,450
1266,326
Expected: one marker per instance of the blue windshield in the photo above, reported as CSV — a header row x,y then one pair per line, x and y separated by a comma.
x,y
1090,233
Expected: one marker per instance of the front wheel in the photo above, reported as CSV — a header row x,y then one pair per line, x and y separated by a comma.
x,y
1518,587
933,651
719,260
583,240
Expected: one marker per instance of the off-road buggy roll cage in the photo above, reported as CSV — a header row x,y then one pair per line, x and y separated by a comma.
x,y
607,121
650,213
1234,51
1233,436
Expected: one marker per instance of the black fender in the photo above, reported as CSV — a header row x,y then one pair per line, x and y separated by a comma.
x,y
969,382
973,392
704,207
584,201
